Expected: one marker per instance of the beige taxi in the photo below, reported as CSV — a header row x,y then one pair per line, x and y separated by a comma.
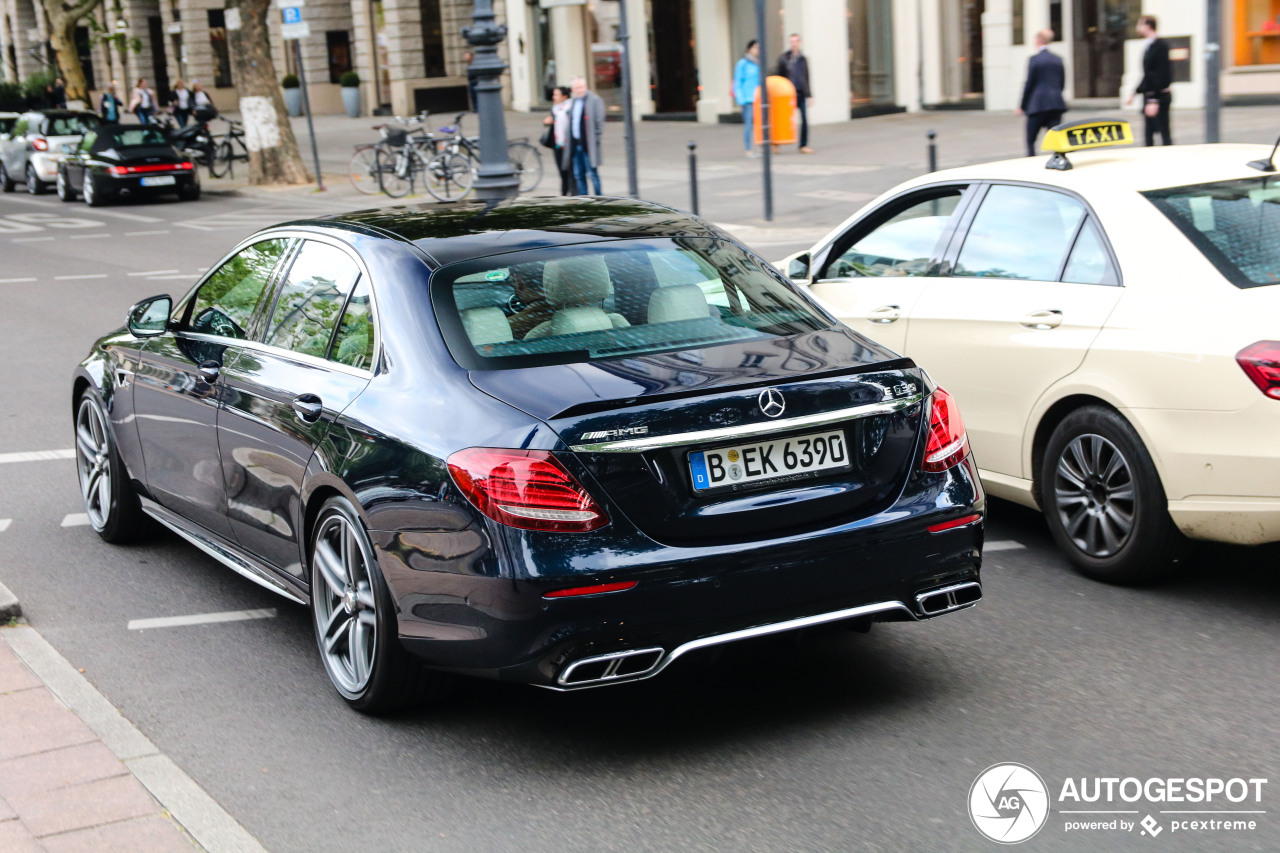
x,y
1109,325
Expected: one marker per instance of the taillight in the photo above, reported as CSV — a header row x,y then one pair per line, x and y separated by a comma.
x,y
948,443
186,166
1261,363
40,144
528,489
117,170
153,167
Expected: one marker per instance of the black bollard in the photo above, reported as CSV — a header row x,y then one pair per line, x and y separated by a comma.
x,y
693,177
933,152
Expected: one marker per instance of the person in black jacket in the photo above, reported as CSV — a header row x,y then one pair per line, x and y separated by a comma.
x,y
794,65
1157,77
1042,101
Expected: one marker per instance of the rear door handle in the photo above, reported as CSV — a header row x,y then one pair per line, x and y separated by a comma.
x,y
309,407
209,371
1050,318
885,314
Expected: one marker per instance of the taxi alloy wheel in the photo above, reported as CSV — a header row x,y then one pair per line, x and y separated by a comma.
x,y
105,489
355,621
1104,501
64,187
35,186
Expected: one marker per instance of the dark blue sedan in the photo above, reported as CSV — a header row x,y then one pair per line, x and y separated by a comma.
x,y
562,441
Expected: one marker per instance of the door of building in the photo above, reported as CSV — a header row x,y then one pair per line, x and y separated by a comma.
x,y
675,72
1100,29
159,65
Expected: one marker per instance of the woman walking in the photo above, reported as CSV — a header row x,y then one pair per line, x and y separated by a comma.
x,y
110,105
746,80
559,121
180,102
143,101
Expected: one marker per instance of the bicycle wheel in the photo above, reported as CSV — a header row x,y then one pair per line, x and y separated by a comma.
x,y
394,175
220,160
528,163
362,170
449,176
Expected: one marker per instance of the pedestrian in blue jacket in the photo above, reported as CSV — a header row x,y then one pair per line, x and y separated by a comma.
x,y
746,80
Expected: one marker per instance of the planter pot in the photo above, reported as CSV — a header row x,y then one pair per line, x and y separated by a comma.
x,y
293,101
351,100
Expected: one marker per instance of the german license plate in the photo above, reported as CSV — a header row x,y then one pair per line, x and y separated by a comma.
x,y
159,181
767,460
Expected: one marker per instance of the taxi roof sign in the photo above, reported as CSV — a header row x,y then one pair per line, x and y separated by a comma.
x,y
1079,135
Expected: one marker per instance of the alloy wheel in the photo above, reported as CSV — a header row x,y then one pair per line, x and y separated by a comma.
x,y
33,182
345,603
93,462
1094,495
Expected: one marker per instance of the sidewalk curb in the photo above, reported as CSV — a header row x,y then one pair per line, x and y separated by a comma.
x,y
10,607
206,821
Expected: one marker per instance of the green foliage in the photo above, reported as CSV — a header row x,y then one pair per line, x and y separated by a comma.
x,y
349,79
33,86
11,99
290,81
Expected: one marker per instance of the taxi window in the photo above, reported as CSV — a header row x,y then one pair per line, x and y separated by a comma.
x,y
603,301
902,245
226,301
1089,262
1235,224
1020,232
311,299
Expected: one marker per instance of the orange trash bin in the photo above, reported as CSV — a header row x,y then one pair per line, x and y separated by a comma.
x,y
782,111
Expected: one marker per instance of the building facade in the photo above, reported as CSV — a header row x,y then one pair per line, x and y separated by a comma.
x,y
865,56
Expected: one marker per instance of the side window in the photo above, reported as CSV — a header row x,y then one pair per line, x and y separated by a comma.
x,y
353,344
87,142
226,301
1020,232
902,245
311,298
1089,262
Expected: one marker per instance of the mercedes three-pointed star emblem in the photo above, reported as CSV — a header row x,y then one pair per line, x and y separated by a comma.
x,y
772,402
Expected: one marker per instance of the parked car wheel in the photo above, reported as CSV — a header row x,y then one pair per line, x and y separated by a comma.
x,y
355,619
109,499
1104,501
189,192
64,187
35,186
6,183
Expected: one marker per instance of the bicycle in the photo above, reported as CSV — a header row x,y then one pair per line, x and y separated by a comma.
x,y
526,159
363,170
224,153
399,157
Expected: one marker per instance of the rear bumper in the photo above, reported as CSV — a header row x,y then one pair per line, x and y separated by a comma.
x,y
45,165
686,599
131,187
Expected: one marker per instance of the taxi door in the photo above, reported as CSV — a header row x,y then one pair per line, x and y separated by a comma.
x,y
873,274
1032,280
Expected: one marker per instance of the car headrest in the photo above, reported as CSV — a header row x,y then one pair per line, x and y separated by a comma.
x,y
482,294
678,302
581,280
485,326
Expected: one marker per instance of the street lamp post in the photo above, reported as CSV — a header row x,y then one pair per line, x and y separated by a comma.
x,y
496,178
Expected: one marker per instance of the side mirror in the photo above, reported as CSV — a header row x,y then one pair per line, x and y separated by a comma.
x,y
150,317
798,268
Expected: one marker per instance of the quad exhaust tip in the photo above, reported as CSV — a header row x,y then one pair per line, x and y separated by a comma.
x,y
619,666
949,598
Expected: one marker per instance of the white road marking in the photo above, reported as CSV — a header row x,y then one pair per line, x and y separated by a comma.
x,y
183,275
150,272
32,239
75,519
15,280
4,524
200,619
79,277
37,456
89,236
144,233
1002,545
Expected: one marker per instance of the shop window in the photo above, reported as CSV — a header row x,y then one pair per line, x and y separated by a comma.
x,y
221,51
338,43
1257,32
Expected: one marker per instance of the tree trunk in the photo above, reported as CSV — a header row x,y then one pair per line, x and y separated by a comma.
x,y
273,151
62,36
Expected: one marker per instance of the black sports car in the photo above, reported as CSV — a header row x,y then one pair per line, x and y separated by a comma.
x,y
122,161
558,441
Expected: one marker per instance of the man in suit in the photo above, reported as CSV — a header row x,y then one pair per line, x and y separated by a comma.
x,y
1157,77
1042,101
794,65
586,132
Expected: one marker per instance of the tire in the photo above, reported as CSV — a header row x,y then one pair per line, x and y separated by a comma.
x,y
6,183
64,187
395,175
35,186
91,195
449,176
105,488
528,163
355,620
189,192
362,171
220,159
1104,501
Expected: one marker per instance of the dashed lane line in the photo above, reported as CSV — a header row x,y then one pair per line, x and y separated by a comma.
x,y
90,236
4,524
38,455
81,277
150,273
1002,545
144,233
15,280
75,519
200,619
32,239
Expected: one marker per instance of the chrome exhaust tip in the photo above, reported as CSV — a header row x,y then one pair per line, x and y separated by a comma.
x,y
938,601
618,666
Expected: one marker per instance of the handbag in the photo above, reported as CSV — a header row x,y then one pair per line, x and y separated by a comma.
x,y
548,139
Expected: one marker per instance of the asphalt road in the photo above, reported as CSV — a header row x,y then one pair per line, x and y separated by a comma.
x,y
829,743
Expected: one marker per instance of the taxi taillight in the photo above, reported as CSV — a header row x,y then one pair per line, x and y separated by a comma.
x,y
529,489
947,443
1261,363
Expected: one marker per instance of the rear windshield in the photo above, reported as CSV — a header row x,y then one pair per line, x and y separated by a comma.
x,y
69,125
132,137
1236,224
612,300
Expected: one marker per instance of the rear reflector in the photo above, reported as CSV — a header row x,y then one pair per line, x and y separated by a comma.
x,y
948,443
1261,363
598,589
954,523
528,489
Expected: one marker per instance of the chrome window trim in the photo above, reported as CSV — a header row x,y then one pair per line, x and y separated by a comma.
x,y
278,352
707,436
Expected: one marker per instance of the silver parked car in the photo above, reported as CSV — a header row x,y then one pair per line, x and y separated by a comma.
x,y
31,150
